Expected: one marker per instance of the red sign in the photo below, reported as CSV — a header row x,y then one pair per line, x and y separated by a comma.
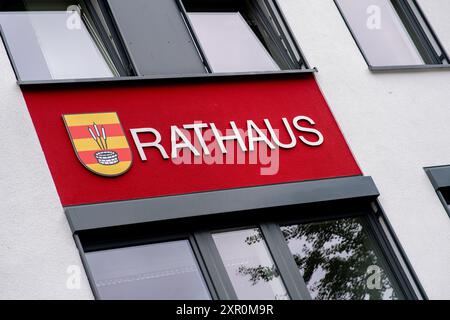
x,y
191,137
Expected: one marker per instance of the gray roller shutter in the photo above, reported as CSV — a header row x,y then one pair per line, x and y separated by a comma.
x,y
156,37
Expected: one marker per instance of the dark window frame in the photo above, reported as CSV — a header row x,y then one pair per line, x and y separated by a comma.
x,y
128,67
416,27
440,180
199,231
446,197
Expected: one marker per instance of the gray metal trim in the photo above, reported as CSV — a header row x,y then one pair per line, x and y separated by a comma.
x,y
439,176
104,215
141,79
424,67
203,266
217,272
396,254
282,256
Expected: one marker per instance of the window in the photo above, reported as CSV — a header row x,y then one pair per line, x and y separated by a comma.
x,y
322,251
79,39
154,271
242,35
440,179
229,43
392,33
247,261
55,40
446,195
335,258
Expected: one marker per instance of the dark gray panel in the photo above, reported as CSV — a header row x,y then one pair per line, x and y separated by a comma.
x,y
439,176
156,37
208,203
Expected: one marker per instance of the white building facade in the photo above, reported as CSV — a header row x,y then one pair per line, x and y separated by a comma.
x,y
394,120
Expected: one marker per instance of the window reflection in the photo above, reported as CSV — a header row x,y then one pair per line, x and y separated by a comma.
x,y
249,265
339,260
161,271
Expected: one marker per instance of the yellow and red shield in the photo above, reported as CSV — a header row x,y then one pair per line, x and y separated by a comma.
x,y
99,142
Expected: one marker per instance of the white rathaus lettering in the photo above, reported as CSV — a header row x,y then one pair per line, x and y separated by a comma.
x,y
269,136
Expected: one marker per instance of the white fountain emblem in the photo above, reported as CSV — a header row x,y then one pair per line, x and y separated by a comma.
x,y
104,157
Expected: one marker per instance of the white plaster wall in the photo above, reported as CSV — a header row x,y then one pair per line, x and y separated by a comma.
x,y
396,123
36,246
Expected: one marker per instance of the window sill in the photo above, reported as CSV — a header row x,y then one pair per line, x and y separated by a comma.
x,y
429,67
181,77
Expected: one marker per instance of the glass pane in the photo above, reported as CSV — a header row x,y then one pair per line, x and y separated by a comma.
x,y
162,271
380,32
52,45
229,43
249,265
339,260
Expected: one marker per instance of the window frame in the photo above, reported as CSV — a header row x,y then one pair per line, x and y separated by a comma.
x,y
290,277
199,232
90,19
179,236
283,28
126,67
440,180
415,29
445,192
